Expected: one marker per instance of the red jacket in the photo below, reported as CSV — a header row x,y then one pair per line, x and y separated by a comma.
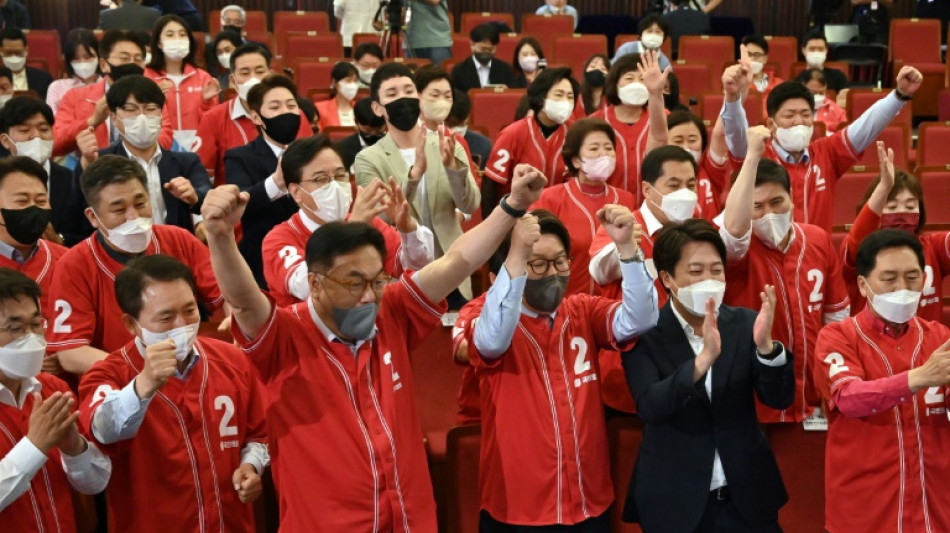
x,y
185,103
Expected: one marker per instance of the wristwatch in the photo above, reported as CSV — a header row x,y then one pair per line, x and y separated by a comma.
x,y
511,211
903,97
637,257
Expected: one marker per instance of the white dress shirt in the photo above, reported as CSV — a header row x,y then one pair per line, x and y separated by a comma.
x,y
154,180
483,72
274,192
604,266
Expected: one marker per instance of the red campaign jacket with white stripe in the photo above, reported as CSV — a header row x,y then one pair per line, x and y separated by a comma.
x,y
175,474
884,473
522,142
346,442
39,267
631,149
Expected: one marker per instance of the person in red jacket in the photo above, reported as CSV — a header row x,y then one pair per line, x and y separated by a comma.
x,y
171,406
42,453
338,110
189,90
884,375
82,118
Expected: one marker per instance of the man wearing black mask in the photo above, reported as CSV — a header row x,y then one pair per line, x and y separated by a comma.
x,y
369,128
82,118
254,167
432,169
482,67
233,19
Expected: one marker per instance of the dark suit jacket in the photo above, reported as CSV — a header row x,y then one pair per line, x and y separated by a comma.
x,y
686,22
15,15
129,16
247,167
38,80
682,429
68,205
170,166
349,147
465,74
480,146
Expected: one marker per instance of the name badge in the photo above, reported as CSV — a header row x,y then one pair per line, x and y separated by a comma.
x,y
448,319
816,422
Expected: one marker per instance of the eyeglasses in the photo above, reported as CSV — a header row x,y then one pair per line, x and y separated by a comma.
x,y
125,58
322,179
541,267
358,287
18,330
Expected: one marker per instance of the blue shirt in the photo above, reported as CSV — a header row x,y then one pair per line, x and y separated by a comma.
x,y
634,47
566,10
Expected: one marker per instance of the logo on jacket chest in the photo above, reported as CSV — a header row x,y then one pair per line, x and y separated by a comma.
x,y
582,365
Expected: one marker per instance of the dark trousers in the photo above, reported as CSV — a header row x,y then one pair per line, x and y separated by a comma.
x,y
597,524
721,516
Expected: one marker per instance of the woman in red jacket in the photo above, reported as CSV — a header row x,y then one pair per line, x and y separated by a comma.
x,y
189,90
338,110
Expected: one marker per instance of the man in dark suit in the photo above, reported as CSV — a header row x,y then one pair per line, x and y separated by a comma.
x,y
14,50
370,128
704,464
131,15
482,67
253,168
14,14
26,129
685,21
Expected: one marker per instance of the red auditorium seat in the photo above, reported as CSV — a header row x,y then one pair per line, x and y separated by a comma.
x,y
310,44
848,193
800,66
287,21
314,73
666,47
895,137
624,434
254,20
859,100
710,105
44,44
506,46
715,50
783,51
360,38
547,24
461,46
494,108
933,139
470,20
917,42
337,133
936,184
576,49
463,450
694,77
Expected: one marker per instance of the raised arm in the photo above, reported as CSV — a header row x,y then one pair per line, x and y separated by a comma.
x,y
735,85
474,247
737,216
873,121
869,219
655,80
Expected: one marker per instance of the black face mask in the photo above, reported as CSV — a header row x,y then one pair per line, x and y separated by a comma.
x,y
545,294
232,29
483,57
370,138
283,128
26,225
403,113
595,78
117,72
670,102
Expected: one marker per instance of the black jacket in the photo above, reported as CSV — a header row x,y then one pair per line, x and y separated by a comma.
x,y
683,430
248,167
68,205
465,74
38,80
15,15
349,147
130,15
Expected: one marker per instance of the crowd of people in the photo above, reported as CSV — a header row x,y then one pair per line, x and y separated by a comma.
x,y
641,264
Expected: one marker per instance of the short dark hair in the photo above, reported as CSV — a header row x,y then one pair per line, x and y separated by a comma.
x,y
670,241
372,49
769,171
6,73
385,72
549,224
548,78
308,108
577,134
340,72
158,56
903,181
300,153
23,165
461,107
683,116
79,38
255,97
885,239
227,35
525,41
15,285
363,114
812,36
624,64
785,91
22,108
114,37
12,33
429,74
816,74
340,238
652,167
485,31
143,89
132,281
757,40
649,20
248,49
108,170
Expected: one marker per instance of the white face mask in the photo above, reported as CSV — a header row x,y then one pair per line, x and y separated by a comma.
x,y
558,110
815,59
897,307
679,205
366,74
23,358
142,131
36,149
184,338
756,66
772,228
148,58
697,155
634,93
651,41
694,297
84,69
436,110
333,201
794,139
460,130
819,100
224,60
349,89
176,49
15,63
132,236
243,88
528,63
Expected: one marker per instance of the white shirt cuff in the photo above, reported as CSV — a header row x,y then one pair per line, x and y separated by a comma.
x,y
27,457
274,192
778,360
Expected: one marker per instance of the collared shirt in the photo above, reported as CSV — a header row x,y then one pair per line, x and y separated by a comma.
x,y
483,72
653,224
238,110
154,180
762,83
881,326
19,81
274,192
13,254
332,337
697,343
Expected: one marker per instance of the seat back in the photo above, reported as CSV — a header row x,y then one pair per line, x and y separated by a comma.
x,y
506,47
936,184
311,44
45,44
471,20
848,193
285,21
783,51
314,73
624,434
714,50
894,137
915,40
576,49
800,66
694,78
859,100
933,138
549,24
711,104
494,108
463,458
461,46
254,20
360,38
